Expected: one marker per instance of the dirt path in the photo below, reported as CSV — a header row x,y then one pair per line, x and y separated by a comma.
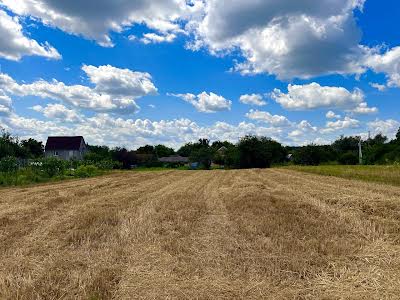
x,y
246,234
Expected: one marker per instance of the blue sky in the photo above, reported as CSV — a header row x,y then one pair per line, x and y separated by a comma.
x,y
172,71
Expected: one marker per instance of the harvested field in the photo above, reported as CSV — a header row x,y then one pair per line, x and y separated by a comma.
x,y
272,234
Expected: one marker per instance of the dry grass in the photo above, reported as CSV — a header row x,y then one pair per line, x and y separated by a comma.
x,y
272,234
388,174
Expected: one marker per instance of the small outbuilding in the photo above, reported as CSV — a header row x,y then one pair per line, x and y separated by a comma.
x,y
66,147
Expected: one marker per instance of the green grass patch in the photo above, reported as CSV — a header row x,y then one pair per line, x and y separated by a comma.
x,y
381,174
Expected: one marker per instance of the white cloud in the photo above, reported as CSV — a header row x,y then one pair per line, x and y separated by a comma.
x,y
363,109
314,96
96,19
120,83
153,38
58,112
379,87
339,125
14,44
264,116
387,63
386,127
134,133
286,38
253,99
302,129
331,115
5,104
207,103
115,89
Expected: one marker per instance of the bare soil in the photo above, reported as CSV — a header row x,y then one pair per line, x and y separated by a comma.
x,y
242,234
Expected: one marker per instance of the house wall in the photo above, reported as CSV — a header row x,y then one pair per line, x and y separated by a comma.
x,y
66,154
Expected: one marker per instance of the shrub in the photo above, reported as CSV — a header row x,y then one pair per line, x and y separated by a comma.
x,y
86,171
8,164
53,166
108,164
348,158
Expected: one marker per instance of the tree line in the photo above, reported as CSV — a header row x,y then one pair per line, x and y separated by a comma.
x,y
248,152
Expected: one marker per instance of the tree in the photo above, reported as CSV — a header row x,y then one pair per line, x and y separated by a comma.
x,y
375,149
33,148
258,152
98,153
203,156
309,155
148,149
232,159
219,144
125,157
8,144
398,136
187,149
379,139
345,144
202,153
163,151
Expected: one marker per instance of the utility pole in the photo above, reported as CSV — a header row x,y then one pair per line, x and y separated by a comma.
x,y
360,154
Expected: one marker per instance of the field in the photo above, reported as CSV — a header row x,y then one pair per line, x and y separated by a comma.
x,y
254,234
389,174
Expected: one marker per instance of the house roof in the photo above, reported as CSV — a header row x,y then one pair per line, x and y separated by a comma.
x,y
64,142
174,159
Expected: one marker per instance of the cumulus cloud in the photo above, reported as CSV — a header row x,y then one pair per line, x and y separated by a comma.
x,y
5,105
313,96
153,38
264,116
116,90
253,99
363,109
134,133
379,87
346,123
96,19
120,83
14,44
206,103
387,63
302,39
302,129
58,112
386,127
331,115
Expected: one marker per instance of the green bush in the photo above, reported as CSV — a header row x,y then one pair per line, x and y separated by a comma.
x,y
349,158
53,167
86,171
9,164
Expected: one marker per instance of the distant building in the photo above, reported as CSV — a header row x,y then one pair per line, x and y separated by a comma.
x,y
66,147
222,150
175,159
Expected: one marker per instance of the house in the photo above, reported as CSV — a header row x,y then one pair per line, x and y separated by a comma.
x,y
66,147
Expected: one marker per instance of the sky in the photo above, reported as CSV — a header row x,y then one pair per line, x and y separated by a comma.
x,y
129,73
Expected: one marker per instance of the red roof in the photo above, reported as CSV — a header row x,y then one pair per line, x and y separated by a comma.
x,y
64,143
